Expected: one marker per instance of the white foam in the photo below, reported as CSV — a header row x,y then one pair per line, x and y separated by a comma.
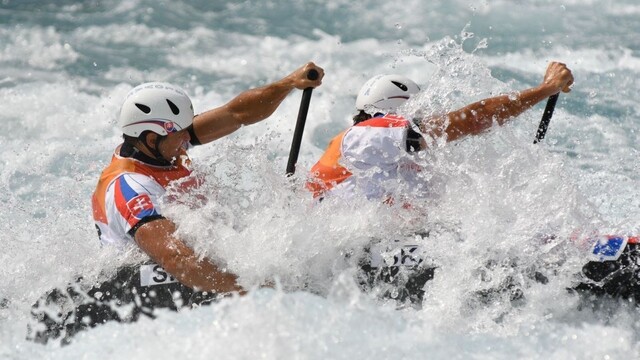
x,y
497,195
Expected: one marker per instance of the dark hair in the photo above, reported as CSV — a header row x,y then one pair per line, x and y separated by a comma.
x,y
129,139
129,145
128,148
132,139
360,117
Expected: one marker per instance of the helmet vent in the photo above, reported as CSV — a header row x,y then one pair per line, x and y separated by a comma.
x,y
144,108
402,86
174,108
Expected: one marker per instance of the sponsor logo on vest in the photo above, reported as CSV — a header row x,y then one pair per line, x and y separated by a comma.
x,y
400,255
154,274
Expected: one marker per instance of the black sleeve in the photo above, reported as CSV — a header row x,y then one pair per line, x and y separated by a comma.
x,y
143,221
192,134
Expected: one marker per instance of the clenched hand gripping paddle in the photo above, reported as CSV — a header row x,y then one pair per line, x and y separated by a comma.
x,y
302,118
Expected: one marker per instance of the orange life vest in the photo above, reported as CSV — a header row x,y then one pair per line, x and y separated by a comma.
x,y
120,165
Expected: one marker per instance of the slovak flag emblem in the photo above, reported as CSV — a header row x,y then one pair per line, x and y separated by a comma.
x,y
140,206
169,127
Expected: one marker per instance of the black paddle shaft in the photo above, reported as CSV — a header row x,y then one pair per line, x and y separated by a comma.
x,y
546,117
302,118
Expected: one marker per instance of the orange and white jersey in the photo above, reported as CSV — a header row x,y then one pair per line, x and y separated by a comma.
x,y
369,158
129,191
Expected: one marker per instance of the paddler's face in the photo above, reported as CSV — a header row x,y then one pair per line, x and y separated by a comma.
x,y
174,144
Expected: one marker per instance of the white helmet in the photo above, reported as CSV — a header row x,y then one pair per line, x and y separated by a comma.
x,y
384,93
159,107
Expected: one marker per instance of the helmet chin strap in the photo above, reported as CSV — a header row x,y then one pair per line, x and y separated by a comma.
x,y
156,146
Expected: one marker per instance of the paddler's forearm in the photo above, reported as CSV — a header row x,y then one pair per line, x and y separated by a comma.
x,y
257,104
480,116
252,105
507,107
247,108
157,239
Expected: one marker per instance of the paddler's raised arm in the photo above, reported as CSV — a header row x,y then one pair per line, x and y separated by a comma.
x,y
480,116
251,106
